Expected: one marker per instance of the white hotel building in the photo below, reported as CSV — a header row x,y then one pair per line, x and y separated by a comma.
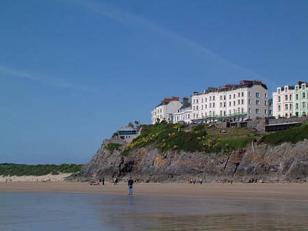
x,y
233,102
184,114
165,110
283,101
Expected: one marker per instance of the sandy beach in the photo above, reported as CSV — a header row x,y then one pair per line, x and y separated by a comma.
x,y
266,191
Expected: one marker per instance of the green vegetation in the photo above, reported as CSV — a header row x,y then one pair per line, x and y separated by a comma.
x,y
113,146
292,135
37,170
190,138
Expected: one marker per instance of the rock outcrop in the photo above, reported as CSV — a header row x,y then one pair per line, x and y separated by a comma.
x,y
256,162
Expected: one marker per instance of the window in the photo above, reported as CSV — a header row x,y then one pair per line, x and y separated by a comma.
x,y
233,103
296,96
233,96
220,97
213,97
242,101
242,94
239,102
286,106
296,106
257,111
304,95
239,94
290,97
257,102
304,104
249,101
279,108
220,104
286,97
279,99
213,104
224,97
249,110
257,94
229,103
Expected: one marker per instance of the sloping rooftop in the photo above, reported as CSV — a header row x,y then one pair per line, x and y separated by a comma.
x,y
167,100
229,87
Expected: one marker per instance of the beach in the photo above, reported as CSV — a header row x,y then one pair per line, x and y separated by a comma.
x,y
265,191
154,206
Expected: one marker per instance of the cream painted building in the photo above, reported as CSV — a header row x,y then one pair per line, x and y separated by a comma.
x,y
184,114
283,99
233,102
165,110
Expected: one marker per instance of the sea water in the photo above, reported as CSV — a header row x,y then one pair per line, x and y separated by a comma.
x,y
69,211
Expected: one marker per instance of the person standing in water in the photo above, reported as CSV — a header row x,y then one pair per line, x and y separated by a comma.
x,y
130,186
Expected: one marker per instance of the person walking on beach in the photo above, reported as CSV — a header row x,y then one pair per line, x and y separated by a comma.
x,y
130,186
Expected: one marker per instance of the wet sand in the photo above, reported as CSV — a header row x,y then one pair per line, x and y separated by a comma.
x,y
266,191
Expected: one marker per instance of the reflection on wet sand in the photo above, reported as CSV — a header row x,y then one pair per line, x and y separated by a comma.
x,y
207,214
69,211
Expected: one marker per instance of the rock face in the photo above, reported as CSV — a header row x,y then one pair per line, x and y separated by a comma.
x,y
285,162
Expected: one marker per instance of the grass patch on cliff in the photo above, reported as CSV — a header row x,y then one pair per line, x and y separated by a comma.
x,y
7,169
199,138
292,135
113,146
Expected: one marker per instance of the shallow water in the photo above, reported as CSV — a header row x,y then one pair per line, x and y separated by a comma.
x,y
68,211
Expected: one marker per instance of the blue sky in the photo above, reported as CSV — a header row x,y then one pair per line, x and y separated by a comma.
x,y
72,71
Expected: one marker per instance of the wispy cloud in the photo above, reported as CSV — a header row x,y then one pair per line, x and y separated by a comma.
x,y
131,19
43,79
128,18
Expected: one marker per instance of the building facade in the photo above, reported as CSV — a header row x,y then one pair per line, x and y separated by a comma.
x,y
232,102
283,102
300,96
127,134
165,110
184,114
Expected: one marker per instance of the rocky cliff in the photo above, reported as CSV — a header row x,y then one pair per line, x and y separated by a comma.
x,y
255,162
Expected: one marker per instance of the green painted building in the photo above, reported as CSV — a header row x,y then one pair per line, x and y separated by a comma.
x,y
300,98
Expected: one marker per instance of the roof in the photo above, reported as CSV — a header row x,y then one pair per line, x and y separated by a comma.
x,y
167,100
126,129
230,87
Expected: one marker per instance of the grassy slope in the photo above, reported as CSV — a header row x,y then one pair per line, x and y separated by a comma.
x,y
292,135
184,138
37,170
